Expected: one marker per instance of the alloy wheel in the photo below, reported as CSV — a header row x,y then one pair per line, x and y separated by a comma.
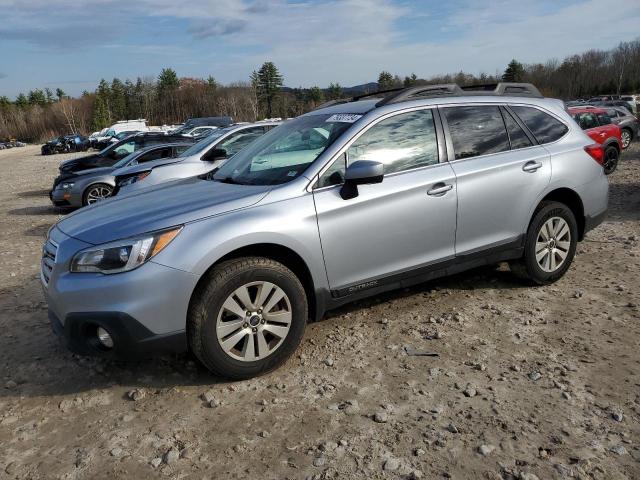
x,y
254,321
98,193
626,138
553,244
610,160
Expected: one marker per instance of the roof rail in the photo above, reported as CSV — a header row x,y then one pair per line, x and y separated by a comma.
x,y
397,95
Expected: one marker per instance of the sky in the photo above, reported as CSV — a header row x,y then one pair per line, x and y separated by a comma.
x,y
72,44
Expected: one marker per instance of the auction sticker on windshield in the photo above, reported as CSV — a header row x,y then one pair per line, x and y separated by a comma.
x,y
344,117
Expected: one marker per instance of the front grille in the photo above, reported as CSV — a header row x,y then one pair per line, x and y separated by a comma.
x,y
49,252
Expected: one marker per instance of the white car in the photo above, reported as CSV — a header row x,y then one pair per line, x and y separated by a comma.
x,y
203,157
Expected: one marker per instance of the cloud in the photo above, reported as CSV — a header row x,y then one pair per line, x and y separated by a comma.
x,y
218,27
314,42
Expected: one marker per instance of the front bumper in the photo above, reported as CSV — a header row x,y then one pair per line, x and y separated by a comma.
x,y
65,198
145,309
131,339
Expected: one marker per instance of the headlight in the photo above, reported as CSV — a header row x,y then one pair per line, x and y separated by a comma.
x,y
133,179
67,185
123,255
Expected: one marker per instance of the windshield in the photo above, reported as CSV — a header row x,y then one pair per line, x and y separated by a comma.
x,y
285,152
203,144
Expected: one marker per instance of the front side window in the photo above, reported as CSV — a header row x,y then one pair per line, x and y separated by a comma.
x,y
477,130
544,127
285,152
401,142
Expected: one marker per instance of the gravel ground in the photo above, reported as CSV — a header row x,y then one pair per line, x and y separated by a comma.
x,y
529,382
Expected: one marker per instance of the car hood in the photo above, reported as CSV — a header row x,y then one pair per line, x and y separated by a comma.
x,y
93,171
143,167
158,207
69,165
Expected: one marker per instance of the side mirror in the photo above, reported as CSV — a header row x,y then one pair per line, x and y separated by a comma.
x,y
215,154
361,172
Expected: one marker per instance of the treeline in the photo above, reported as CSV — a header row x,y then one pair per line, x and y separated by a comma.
x,y
169,99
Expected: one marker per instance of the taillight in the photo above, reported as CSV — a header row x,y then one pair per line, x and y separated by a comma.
x,y
596,152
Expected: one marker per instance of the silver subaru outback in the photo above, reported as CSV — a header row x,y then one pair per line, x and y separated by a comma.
x,y
355,198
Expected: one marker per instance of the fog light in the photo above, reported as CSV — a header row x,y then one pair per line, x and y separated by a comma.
x,y
105,338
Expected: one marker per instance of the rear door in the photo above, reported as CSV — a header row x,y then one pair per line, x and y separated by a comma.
x,y
500,173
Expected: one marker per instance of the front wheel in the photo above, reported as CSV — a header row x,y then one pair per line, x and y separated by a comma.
x,y
611,158
96,193
247,317
550,244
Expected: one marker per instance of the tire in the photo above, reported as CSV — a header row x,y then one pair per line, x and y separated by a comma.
x,y
627,136
611,159
540,270
96,192
222,340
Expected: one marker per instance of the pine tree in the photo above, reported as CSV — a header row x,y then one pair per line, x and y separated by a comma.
x,y
60,94
100,118
22,100
315,95
118,100
514,72
334,91
268,82
411,80
385,81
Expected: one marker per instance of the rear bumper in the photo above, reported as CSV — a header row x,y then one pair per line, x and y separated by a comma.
x,y
131,339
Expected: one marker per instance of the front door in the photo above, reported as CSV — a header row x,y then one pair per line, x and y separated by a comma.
x,y
395,227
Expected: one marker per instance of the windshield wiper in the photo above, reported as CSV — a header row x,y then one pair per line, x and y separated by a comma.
x,y
228,180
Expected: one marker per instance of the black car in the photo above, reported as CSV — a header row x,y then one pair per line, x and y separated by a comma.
x,y
66,144
116,151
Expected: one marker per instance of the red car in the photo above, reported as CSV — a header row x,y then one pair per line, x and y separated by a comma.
x,y
598,125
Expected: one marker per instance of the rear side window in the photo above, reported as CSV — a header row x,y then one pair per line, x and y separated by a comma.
x,y
604,119
586,120
544,127
518,138
476,130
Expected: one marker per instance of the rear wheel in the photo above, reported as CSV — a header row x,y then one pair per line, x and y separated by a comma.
x,y
550,244
247,317
626,137
611,158
96,193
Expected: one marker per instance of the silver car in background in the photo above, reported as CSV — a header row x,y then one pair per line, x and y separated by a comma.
x,y
350,200
95,184
203,157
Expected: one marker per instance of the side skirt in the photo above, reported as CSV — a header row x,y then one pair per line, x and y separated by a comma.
x,y
509,251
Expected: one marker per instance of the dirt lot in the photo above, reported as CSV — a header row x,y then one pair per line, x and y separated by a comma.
x,y
530,382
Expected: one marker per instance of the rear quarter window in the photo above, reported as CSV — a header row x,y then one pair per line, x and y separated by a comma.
x,y
544,127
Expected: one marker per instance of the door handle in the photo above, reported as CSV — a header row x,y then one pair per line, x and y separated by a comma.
x,y
531,166
439,189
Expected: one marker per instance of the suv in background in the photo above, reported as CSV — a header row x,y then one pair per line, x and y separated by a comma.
x,y
203,157
598,125
353,199
628,123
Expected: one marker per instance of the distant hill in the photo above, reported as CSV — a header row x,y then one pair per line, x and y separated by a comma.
x,y
348,91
